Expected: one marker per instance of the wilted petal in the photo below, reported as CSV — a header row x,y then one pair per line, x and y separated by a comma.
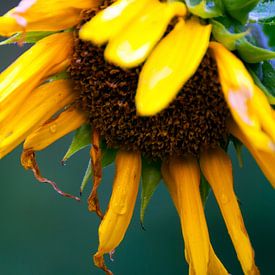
x,y
216,167
44,102
171,64
121,206
131,46
54,129
182,179
48,56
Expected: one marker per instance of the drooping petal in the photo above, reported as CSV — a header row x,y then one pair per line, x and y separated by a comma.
x,y
131,45
217,168
171,64
108,22
39,15
48,56
54,129
121,206
248,105
182,179
264,159
44,102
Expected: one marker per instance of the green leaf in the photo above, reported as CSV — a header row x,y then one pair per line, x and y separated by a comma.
x,y
224,36
108,155
270,94
239,9
263,13
28,37
87,177
151,177
81,139
269,77
205,8
238,149
251,53
204,189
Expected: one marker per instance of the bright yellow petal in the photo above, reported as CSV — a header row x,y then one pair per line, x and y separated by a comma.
x,y
117,219
54,129
265,160
216,167
48,56
44,102
130,47
171,64
215,266
108,22
40,15
248,105
182,177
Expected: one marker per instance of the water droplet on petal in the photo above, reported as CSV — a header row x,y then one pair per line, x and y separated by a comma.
x,y
53,128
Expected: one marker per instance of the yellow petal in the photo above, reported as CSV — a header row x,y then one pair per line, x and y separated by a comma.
x,y
171,64
183,182
108,22
48,56
8,26
121,206
265,160
44,102
216,167
40,15
215,266
131,46
248,106
54,129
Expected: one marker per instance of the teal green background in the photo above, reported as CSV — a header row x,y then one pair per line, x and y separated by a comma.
x,y
42,233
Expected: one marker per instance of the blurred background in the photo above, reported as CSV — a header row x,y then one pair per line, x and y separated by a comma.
x,y
42,233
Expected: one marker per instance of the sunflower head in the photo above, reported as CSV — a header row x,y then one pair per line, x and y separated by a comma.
x,y
160,88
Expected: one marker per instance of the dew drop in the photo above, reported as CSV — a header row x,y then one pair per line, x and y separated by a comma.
x,y
224,199
53,128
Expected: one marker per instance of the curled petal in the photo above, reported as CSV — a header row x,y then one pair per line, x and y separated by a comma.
x,y
43,103
54,129
108,22
171,64
182,179
131,46
121,206
248,105
39,15
264,159
216,167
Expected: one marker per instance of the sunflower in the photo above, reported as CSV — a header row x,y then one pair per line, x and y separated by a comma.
x,y
154,85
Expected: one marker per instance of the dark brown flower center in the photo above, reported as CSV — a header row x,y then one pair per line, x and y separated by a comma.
x,y
195,120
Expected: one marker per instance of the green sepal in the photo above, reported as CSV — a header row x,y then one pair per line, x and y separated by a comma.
x,y
204,189
264,77
238,150
28,37
151,177
108,154
62,75
86,178
239,9
205,8
263,13
224,36
251,53
81,139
